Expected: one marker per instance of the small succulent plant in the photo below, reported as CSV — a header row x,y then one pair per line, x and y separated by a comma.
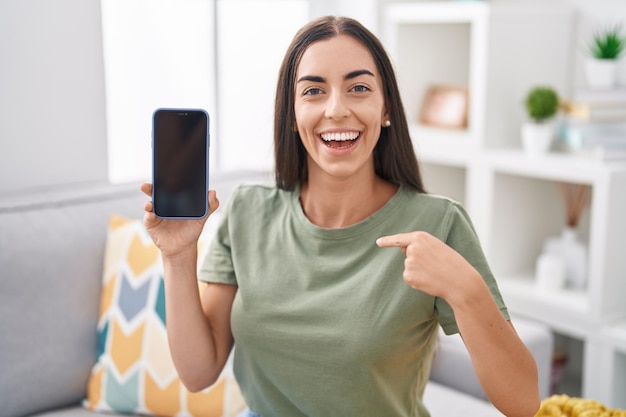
x,y
608,43
541,103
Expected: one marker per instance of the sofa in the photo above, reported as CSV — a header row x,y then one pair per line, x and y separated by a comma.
x,y
51,261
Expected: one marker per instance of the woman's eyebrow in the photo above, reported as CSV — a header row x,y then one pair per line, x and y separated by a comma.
x,y
312,78
357,73
348,76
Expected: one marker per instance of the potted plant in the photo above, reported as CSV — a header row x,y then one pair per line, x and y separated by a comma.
x,y
606,48
541,105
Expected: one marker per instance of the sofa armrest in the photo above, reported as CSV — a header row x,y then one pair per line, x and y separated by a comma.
x,y
453,367
441,400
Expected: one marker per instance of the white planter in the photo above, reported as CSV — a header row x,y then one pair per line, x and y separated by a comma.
x,y
601,73
537,137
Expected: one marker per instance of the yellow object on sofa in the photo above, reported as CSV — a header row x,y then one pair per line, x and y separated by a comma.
x,y
134,372
566,406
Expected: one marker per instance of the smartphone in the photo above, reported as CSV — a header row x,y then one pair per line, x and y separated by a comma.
x,y
180,163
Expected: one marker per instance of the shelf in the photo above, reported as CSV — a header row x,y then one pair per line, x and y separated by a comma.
x,y
515,201
552,166
452,34
443,146
607,373
445,180
571,382
616,334
455,148
565,310
619,382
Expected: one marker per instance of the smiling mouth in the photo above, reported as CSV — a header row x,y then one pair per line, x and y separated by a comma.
x,y
341,140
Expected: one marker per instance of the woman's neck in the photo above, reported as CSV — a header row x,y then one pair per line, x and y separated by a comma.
x,y
336,203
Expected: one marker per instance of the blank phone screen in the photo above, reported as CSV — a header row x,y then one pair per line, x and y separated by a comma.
x,y
180,163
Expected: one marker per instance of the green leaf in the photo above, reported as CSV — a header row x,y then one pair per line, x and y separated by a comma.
x,y
608,43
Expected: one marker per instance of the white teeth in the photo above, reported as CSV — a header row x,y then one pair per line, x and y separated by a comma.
x,y
340,136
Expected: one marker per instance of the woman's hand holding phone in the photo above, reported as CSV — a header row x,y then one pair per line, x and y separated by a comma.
x,y
174,237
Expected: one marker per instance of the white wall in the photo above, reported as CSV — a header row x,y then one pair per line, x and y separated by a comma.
x,y
52,104
366,11
247,68
156,54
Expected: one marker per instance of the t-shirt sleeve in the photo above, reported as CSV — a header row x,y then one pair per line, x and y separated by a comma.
x,y
217,265
461,236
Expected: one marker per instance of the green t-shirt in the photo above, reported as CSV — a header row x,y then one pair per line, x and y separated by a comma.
x,y
324,324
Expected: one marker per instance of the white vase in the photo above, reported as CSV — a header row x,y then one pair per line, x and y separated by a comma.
x,y
601,73
537,137
550,271
574,255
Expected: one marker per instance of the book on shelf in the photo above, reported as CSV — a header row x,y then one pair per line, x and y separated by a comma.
x,y
600,140
603,97
594,112
596,105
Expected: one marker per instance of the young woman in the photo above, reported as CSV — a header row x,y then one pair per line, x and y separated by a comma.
x,y
333,283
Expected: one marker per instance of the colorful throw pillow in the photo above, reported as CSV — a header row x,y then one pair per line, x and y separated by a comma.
x,y
134,372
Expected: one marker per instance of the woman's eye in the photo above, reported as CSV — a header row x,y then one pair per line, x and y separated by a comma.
x,y
313,91
360,88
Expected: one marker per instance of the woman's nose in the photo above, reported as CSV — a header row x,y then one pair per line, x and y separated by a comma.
x,y
336,106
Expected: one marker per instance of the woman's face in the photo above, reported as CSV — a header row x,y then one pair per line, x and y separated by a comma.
x,y
339,106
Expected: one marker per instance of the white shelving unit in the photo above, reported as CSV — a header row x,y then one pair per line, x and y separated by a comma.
x,y
454,37
605,365
514,200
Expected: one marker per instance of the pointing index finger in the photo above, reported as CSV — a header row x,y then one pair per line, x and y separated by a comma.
x,y
400,240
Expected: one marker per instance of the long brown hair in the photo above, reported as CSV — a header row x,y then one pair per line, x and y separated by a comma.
x,y
394,156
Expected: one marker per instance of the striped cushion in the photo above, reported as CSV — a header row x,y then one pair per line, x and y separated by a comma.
x,y
134,372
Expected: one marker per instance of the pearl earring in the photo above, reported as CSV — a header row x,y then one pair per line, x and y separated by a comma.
x,y
387,123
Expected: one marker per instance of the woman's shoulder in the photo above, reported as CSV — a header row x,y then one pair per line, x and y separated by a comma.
x,y
437,213
435,207
437,201
259,190
248,190
257,196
